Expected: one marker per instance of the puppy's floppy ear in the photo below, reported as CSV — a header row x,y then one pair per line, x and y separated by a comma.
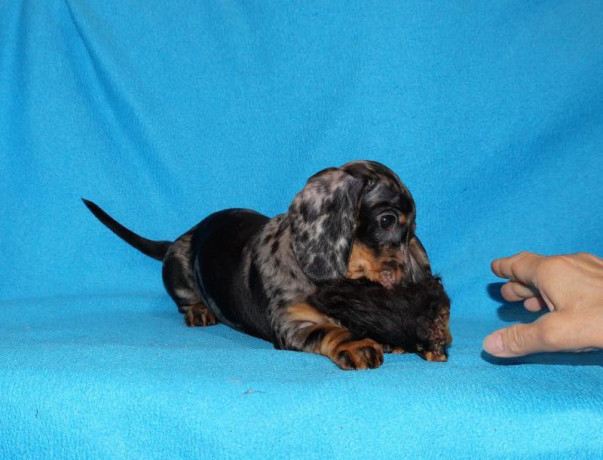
x,y
417,262
322,218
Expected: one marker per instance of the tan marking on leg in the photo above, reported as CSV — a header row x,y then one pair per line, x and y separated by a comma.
x,y
315,332
199,315
306,313
332,339
398,351
393,350
359,354
434,357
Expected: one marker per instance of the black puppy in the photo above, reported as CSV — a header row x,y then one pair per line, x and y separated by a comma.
x,y
411,317
255,274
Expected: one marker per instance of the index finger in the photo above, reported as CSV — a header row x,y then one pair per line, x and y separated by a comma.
x,y
520,267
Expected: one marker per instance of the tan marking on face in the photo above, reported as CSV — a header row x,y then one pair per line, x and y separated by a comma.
x,y
384,268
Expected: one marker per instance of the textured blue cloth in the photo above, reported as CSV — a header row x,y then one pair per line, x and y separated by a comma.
x,y
162,112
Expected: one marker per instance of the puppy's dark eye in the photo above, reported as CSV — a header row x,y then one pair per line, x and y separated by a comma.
x,y
387,221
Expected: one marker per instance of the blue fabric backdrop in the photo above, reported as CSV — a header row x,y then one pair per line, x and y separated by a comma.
x,y
162,112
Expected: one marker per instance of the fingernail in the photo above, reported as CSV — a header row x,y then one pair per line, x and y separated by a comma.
x,y
494,344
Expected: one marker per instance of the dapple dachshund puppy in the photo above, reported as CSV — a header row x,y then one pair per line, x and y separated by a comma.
x,y
255,274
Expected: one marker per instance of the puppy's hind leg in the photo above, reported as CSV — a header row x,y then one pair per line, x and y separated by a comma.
x,y
199,315
179,282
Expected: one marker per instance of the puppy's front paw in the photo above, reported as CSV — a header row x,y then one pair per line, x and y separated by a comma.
x,y
358,354
199,315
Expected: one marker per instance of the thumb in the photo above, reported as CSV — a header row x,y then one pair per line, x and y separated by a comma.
x,y
516,340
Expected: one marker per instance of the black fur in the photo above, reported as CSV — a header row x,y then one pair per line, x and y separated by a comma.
x,y
154,249
402,317
230,285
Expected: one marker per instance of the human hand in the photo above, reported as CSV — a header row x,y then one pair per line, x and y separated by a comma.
x,y
571,286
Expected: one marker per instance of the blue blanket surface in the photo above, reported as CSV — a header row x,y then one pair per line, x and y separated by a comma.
x,y
163,112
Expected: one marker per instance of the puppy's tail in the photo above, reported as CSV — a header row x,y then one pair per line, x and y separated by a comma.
x,y
154,249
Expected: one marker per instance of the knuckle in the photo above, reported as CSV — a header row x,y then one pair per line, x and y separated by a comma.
x,y
515,340
556,264
585,257
549,337
525,255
